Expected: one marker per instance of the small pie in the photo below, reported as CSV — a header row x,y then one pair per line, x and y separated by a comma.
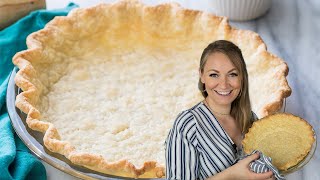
x,y
286,138
104,84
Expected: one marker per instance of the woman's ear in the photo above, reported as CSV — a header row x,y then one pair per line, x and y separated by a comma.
x,y
201,76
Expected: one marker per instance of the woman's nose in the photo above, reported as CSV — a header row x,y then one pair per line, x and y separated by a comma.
x,y
223,82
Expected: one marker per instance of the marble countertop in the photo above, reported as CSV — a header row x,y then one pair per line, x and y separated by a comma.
x,y
289,30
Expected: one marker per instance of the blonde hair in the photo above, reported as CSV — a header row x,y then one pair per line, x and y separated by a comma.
x,y
240,107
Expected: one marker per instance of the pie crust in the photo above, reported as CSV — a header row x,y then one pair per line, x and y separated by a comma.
x,y
104,84
286,138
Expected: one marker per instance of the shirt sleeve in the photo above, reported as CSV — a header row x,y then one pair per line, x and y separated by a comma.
x,y
181,152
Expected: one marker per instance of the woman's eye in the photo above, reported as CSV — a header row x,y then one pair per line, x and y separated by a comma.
x,y
233,74
213,75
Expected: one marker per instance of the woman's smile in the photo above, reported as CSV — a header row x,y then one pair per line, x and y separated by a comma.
x,y
223,93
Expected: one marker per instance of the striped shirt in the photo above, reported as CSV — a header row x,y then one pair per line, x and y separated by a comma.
x,y
197,146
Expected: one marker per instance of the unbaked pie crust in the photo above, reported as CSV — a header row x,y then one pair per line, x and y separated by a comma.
x,y
104,84
286,138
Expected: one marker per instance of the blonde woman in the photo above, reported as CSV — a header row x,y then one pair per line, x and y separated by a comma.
x,y
205,140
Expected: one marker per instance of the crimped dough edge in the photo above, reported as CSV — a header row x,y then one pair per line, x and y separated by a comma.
x,y
26,77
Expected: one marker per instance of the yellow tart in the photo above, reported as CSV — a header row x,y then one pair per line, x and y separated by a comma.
x,y
286,138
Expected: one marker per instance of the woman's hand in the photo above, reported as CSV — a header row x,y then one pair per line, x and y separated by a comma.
x,y
241,170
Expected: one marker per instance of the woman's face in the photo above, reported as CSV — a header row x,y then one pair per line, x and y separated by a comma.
x,y
221,79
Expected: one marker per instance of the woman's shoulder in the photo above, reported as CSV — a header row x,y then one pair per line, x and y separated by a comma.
x,y
184,121
184,115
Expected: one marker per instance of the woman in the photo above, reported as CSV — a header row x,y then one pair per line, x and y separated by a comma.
x,y
204,139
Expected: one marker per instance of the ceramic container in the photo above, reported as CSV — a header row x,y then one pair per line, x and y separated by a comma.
x,y
240,10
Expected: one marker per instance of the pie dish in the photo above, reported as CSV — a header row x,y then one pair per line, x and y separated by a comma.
x,y
286,138
104,84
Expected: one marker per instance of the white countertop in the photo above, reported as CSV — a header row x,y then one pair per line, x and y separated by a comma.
x,y
290,29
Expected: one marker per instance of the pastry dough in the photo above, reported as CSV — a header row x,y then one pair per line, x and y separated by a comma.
x,y
286,138
105,83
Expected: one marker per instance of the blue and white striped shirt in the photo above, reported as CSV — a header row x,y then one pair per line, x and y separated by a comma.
x,y
197,146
